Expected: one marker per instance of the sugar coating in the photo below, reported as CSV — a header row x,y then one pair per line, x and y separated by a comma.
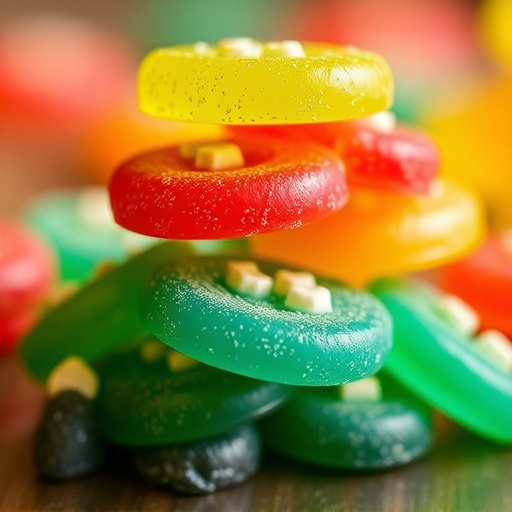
x,y
282,186
188,306
320,428
161,407
322,83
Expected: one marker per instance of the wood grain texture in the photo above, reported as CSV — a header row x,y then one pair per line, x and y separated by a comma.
x,y
462,474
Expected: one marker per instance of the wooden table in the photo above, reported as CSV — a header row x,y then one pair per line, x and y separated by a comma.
x,y
462,474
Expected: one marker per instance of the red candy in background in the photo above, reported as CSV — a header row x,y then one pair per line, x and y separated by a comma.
x,y
398,157
57,72
484,280
27,269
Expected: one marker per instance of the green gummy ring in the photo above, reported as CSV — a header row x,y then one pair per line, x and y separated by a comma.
x,y
188,306
143,403
436,361
100,316
317,426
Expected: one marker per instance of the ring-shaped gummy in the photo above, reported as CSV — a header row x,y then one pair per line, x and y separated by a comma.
x,y
101,315
188,306
401,158
317,426
435,360
143,403
283,184
381,232
330,83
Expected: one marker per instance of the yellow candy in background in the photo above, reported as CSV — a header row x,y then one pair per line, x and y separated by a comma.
x,y
474,132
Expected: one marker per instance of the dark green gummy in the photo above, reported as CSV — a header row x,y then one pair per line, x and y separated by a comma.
x,y
317,426
143,403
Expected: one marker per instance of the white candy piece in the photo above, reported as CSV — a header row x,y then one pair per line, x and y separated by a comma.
x,y
316,299
202,48
218,156
459,313
179,362
239,47
73,373
245,277
94,208
189,150
367,390
153,350
287,48
496,348
384,121
285,279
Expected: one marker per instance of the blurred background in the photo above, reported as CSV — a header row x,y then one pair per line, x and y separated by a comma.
x,y
67,76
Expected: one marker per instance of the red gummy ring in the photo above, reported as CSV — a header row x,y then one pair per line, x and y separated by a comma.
x,y
27,269
401,158
283,184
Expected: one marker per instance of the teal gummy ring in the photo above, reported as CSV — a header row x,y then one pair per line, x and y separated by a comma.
x,y
188,306
100,316
143,403
318,427
436,361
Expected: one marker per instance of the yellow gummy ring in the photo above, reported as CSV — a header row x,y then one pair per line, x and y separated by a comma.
x,y
201,83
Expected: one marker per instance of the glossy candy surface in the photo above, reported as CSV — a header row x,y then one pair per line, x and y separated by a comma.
x,y
381,233
397,157
100,316
318,426
484,280
282,184
198,83
144,403
436,360
79,226
260,337
205,466
27,269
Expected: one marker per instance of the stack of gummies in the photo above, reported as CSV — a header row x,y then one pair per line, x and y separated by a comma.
x,y
296,338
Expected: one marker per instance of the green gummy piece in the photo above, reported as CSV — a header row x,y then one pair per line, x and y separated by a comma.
x,y
80,247
317,426
188,306
143,403
102,315
435,360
